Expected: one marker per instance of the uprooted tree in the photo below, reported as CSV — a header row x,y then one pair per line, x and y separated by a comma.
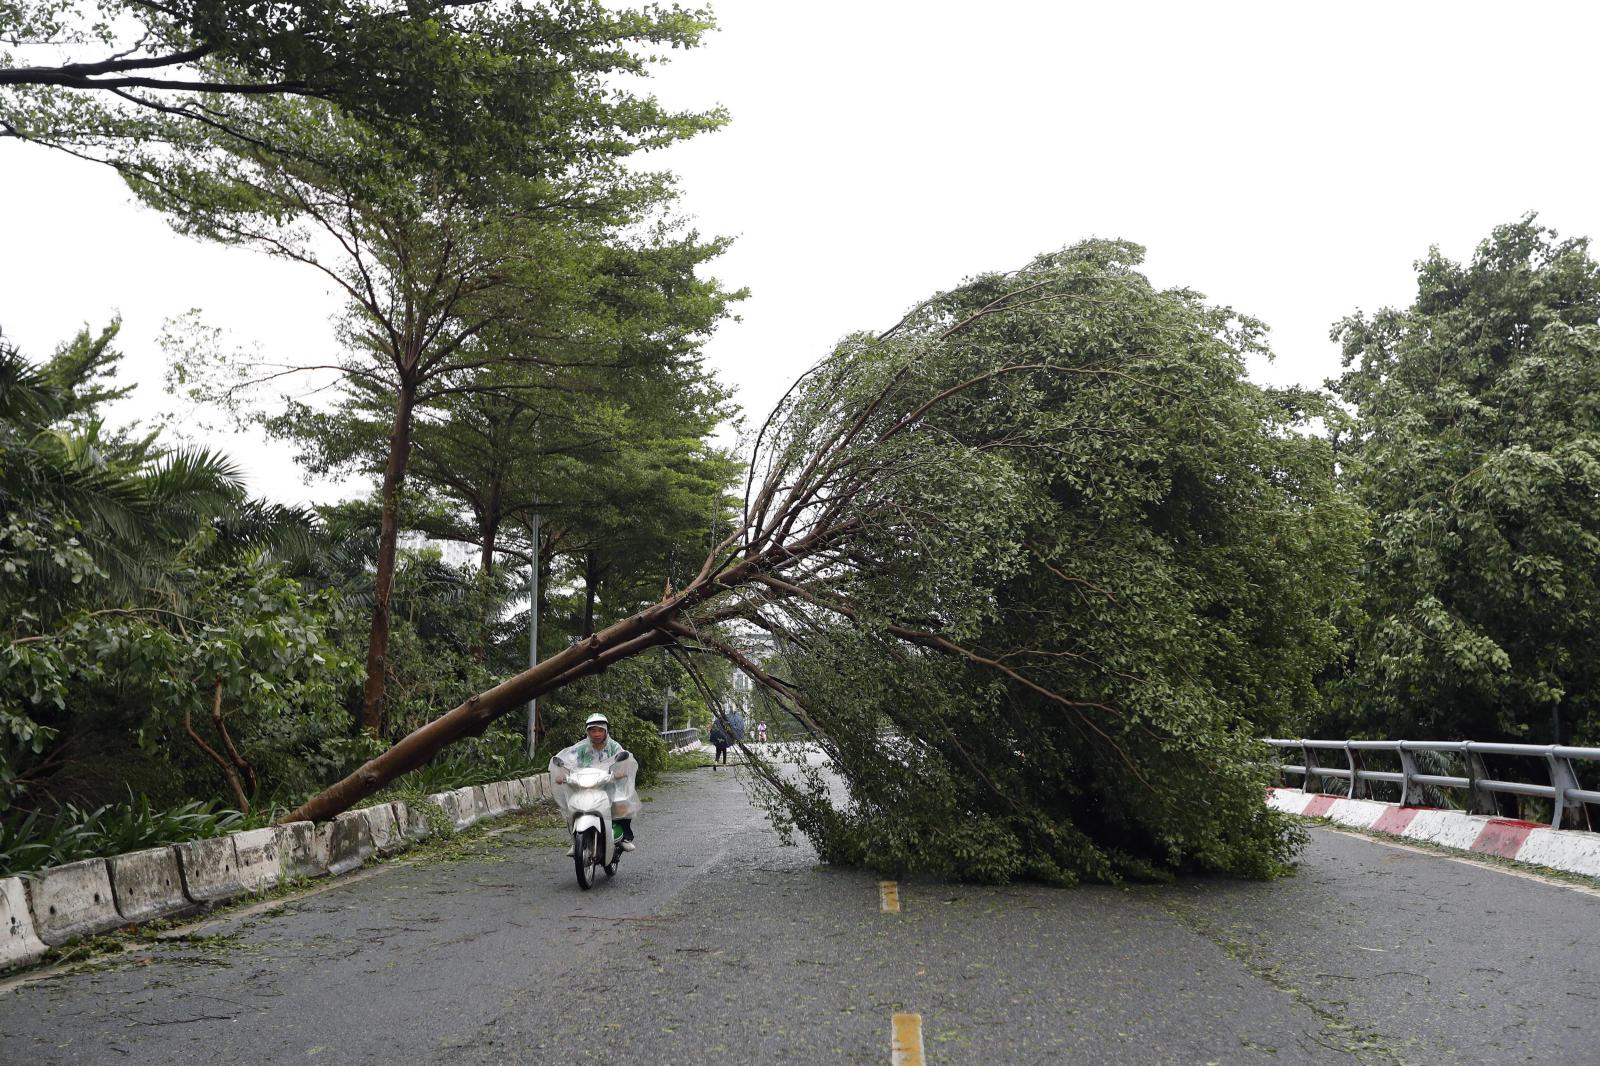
x,y
1034,567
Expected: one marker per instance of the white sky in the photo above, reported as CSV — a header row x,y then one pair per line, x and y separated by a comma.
x,y
1292,163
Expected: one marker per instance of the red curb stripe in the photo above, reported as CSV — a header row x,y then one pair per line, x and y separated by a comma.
x,y
1503,838
1394,820
1319,806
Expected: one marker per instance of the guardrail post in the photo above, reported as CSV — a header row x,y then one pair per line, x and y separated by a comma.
x,y
1479,801
1311,774
1358,787
1561,809
1408,770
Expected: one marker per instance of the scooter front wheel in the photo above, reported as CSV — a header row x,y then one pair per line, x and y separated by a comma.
x,y
585,848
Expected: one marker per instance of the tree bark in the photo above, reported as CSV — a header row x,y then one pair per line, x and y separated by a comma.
x,y
388,539
591,581
228,771
489,530
239,761
488,533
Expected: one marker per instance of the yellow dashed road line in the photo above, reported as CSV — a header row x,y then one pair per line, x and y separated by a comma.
x,y
905,1048
905,1036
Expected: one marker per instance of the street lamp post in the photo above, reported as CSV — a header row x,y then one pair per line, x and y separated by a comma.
x,y
533,636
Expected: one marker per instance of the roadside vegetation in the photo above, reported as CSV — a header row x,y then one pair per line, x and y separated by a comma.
x,y
1035,566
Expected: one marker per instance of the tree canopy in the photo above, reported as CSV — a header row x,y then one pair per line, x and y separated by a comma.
x,y
1476,448
458,85
1045,531
141,587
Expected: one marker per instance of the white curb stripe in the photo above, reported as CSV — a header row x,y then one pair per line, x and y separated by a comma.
x,y
1569,850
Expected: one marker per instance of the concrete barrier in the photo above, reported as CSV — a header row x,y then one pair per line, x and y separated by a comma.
x,y
546,786
480,802
530,785
260,866
210,870
72,901
298,854
469,806
148,884
1563,849
384,829
518,791
413,822
19,944
1448,829
498,798
450,804
1571,850
345,842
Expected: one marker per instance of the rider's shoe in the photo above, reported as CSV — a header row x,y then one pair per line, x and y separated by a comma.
x,y
571,851
627,845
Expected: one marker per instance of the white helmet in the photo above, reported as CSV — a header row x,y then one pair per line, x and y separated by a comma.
x,y
598,720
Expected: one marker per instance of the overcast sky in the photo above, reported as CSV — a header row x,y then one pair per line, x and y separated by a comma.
x,y
1289,160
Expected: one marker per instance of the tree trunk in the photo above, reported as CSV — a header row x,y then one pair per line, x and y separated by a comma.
x,y
611,645
591,581
630,636
240,763
489,530
488,533
388,538
228,771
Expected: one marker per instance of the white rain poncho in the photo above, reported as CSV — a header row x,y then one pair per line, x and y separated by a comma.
x,y
624,795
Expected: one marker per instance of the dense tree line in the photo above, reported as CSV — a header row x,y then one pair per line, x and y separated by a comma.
x,y
1474,446
518,368
1035,566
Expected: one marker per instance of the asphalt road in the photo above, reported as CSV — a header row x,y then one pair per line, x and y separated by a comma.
x,y
716,944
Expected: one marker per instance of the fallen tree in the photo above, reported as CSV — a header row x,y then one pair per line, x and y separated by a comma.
x,y
1046,531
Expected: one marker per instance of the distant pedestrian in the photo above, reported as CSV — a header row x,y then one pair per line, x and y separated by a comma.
x,y
761,732
720,740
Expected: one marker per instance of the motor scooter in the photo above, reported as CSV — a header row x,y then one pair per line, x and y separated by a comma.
x,y
588,801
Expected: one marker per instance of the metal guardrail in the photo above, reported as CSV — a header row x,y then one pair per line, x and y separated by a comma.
x,y
1569,803
680,738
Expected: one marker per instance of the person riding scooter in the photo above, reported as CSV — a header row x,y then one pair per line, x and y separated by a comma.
x,y
597,750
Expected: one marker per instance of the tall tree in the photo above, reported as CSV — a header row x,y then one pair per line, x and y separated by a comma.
x,y
1477,450
1046,528
456,86
428,267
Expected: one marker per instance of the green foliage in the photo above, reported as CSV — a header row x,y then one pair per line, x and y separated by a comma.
x,y
135,580
459,87
496,756
29,842
1088,563
1477,451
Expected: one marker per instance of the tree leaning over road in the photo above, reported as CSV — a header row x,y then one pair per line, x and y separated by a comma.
x,y
1065,548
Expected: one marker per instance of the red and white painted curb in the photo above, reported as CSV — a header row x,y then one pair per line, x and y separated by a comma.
x,y
1570,850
